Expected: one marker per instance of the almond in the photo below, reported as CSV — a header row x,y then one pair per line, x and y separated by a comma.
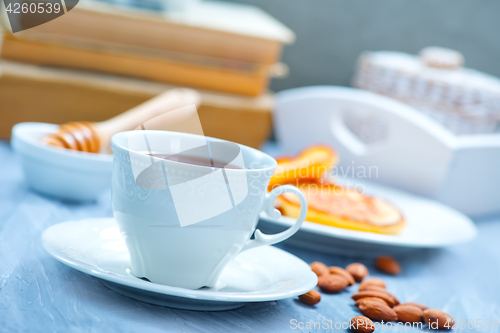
x,y
418,305
408,313
437,319
387,265
361,324
373,287
372,282
319,268
342,272
322,279
370,299
332,283
389,298
376,311
310,298
358,271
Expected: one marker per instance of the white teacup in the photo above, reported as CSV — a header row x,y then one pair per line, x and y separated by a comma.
x,y
183,223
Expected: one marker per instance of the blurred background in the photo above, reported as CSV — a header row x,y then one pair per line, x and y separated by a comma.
x,y
331,34
223,48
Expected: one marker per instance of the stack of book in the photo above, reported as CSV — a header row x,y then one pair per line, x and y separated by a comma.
x,y
218,47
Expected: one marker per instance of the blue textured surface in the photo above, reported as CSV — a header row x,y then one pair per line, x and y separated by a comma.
x,y
39,294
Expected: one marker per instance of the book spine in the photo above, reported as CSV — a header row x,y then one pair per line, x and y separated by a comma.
x,y
160,35
156,68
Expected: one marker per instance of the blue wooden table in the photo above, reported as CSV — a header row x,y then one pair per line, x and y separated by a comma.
x,y
39,294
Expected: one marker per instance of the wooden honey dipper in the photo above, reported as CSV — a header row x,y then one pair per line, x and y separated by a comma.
x,y
93,137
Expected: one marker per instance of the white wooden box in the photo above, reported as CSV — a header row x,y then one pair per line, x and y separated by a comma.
x,y
407,149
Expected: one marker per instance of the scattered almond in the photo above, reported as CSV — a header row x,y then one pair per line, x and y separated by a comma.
x,y
387,265
408,313
332,283
418,305
310,298
373,287
372,282
361,324
342,272
377,311
373,300
389,298
319,268
370,299
437,319
358,271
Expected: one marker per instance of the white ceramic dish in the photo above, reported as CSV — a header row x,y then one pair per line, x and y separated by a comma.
x,y
430,225
95,247
62,173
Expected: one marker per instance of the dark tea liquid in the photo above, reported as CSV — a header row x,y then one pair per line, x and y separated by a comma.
x,y
195,160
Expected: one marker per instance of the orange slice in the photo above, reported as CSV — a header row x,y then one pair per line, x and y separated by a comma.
x,y
344,207
308,165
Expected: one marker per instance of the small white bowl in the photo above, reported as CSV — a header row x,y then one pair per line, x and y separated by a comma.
x,y
58,172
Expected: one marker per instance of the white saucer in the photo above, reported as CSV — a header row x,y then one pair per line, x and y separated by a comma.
x,y
430,225
95,247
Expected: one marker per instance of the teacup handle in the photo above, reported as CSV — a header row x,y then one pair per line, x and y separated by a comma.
x,y
268,207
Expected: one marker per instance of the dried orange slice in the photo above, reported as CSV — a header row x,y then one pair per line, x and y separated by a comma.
x,y
344,207
308,165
